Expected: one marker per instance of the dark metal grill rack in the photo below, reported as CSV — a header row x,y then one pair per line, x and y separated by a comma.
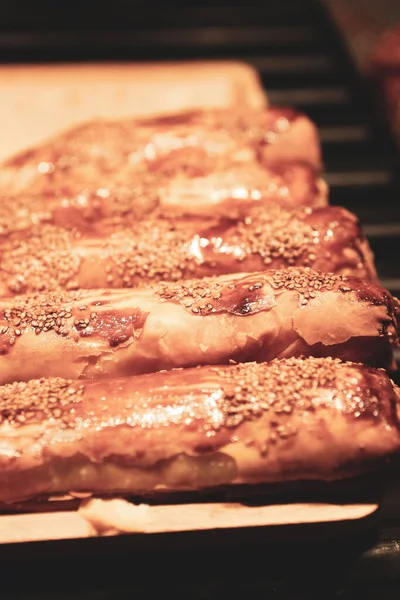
x,y
303,62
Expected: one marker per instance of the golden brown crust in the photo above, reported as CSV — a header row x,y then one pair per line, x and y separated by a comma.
x,y
261,316
229,191
100,153
159,248
288,420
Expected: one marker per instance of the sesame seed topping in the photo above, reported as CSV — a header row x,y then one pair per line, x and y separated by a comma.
x,y
63,314
40,261
196,290
42,312
38,400
306,281
275,234
248,294
282,387
158,251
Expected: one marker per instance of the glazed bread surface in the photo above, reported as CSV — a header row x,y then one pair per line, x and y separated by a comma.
x,y
242,317
101,153
289,420
48,257
227,191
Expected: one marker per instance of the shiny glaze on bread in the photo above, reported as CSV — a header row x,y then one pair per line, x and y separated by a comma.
x,y
289,420
253,317
159,248
93,154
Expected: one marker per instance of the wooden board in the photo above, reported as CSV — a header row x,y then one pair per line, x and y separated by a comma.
x,y
181,518
37,101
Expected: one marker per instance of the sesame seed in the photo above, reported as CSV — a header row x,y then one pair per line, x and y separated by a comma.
x,y
283,387
23,403
245,295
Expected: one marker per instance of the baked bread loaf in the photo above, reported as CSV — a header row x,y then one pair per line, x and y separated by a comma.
x,y
289,420
228,192
253,317
47,257
105,153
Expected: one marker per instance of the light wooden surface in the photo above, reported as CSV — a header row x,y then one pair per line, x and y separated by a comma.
x,y
37,101
178,518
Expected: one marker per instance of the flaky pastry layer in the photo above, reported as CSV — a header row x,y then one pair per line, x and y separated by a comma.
x,y
115,203
91,155
175,248
289,420
241,317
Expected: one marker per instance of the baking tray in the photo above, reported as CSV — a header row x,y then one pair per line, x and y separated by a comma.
x,y
195,563
193,550
290,511
184,518
37,101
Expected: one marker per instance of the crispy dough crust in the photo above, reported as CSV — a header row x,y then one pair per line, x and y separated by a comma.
x,y
241,317
175,248
226,191
101,153
289,420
